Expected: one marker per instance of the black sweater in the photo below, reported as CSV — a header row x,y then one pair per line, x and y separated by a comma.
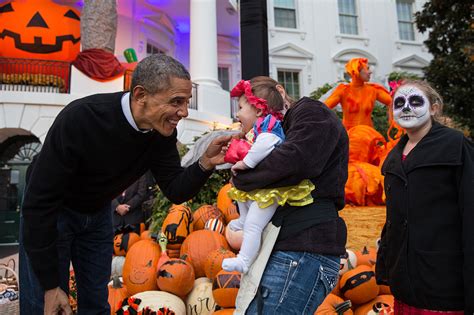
x,y
90,155
315,148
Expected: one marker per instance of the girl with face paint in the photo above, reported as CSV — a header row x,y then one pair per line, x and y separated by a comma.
x,y
426,253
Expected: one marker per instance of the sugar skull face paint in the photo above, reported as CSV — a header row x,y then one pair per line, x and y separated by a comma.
x,y
411,107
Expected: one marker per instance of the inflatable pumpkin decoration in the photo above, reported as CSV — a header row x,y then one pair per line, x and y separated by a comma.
x,y
39,29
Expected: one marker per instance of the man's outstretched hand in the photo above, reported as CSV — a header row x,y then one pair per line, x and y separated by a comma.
x,y
56,302
215,152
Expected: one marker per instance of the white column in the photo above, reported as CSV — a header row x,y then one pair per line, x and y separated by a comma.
x,y
203,42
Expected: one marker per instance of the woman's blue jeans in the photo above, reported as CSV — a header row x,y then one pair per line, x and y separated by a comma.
x,y
87,242
295,283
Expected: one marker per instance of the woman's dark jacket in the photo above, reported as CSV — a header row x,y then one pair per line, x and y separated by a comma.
x,y
316,148
427,247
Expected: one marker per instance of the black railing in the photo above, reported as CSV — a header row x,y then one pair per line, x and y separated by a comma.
x,y
34,75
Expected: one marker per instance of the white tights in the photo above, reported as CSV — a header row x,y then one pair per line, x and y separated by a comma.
x,y
252,221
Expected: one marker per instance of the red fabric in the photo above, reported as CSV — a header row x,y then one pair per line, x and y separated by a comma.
x,y
403,309
404,157
238,149
98,64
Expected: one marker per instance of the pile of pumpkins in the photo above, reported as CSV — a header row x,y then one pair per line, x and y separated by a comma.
x,y
357,292
178,271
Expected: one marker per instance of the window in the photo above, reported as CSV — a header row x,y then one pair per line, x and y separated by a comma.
x,y
291,82
152,49
347,17
223,77
405,19
285,13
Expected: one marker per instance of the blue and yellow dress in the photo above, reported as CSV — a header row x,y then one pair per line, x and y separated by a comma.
x,y
296,195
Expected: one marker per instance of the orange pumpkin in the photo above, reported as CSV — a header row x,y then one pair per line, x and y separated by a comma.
x,y
358,284
231,212
383,289
214,260
382,304
39,29
139,270
367,256
148,235
223,200
197,247
177,225
124,241
117,292
225,311
333,304
203,214
176,276
225,288
173,253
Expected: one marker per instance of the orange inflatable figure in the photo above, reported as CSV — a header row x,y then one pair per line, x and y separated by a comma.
x,y
358,97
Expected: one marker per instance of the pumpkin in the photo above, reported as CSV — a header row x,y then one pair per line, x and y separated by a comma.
x,y
148,235
348,261
198,245
139,270
204,213
173,253
215,225
231,212
154,301
117,266
383,289
234,238
225,288
200,300
358,284
337,290
176,276
382,304
225,311
117,292
124,241
223,200
367,256
39,29
333,304
214,260
177,225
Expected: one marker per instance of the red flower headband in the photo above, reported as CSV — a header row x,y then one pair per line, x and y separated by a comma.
x,y
244,88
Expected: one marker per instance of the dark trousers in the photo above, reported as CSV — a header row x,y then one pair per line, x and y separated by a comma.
x,y
87,242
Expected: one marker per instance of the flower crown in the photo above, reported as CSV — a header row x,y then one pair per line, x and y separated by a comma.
x,y
243,87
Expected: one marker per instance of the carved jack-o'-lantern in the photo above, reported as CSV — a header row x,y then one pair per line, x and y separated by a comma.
x,y
39,29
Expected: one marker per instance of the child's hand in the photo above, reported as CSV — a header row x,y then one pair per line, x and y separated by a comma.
x,y
239,166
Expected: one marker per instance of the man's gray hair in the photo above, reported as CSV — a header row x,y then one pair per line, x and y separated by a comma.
x,y
154,73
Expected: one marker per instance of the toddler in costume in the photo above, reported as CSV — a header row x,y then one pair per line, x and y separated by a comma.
x,y
260,106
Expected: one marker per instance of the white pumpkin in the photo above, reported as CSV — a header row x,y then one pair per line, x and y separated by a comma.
x,y
349,261
200,300
158,299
